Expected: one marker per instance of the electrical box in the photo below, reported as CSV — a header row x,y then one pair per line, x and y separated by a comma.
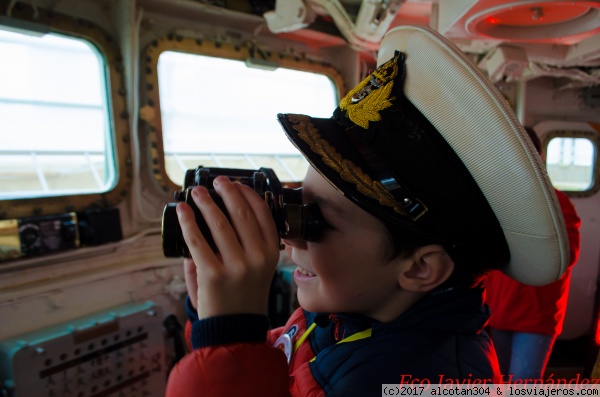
x,y
505,63
116,353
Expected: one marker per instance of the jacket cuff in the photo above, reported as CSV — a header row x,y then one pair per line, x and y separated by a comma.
x,y
224,330
192,314
228,329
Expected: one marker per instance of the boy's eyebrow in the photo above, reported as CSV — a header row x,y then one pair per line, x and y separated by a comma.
x,y
323,202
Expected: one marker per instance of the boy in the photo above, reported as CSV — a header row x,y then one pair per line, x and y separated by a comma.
x,y
426,181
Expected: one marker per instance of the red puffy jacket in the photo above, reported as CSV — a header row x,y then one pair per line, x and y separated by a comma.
x,y
523,308
439,339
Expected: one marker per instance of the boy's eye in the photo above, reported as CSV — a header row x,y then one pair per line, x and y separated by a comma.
x,y
314,222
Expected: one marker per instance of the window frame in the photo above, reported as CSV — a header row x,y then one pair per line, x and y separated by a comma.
x,y
590,135
118,119
150,113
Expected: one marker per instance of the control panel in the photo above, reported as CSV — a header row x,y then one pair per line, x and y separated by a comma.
x,y
116,353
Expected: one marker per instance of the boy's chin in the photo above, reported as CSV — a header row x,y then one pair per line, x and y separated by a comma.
x,y
313,304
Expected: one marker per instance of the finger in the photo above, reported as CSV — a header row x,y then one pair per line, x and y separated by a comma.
x,y
220,228
191,281
242,218
248,211
189,268
263,215
195,241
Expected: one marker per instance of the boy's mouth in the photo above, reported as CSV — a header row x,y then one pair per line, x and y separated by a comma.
x,y
304,272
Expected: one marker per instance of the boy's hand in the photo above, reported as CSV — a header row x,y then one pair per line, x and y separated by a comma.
x,y
237,279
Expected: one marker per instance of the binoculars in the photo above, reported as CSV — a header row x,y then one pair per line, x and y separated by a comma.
x,y
293,220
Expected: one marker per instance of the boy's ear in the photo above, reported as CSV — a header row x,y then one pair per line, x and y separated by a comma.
x,y
428,267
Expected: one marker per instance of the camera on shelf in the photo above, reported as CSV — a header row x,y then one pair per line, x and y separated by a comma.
x,y
292,219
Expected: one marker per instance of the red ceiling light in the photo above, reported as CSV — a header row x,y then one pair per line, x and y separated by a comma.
x,y
538,21
536,14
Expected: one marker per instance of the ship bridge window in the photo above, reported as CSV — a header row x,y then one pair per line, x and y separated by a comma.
x,y
571,161
220,112
54,117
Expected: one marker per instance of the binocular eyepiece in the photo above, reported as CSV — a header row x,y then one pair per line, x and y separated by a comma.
x,y
292,219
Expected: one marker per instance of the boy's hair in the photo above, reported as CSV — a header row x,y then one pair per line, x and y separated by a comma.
x,y
467,272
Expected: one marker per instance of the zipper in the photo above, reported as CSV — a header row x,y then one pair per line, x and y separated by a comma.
x,y
336,327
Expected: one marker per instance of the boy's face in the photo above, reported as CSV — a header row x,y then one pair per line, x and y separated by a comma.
x,y
347,270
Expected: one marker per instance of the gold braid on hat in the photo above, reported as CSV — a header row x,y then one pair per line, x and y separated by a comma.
x,y
347,169
371,95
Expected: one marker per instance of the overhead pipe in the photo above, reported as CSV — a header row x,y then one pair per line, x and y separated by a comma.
x,y
372,22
